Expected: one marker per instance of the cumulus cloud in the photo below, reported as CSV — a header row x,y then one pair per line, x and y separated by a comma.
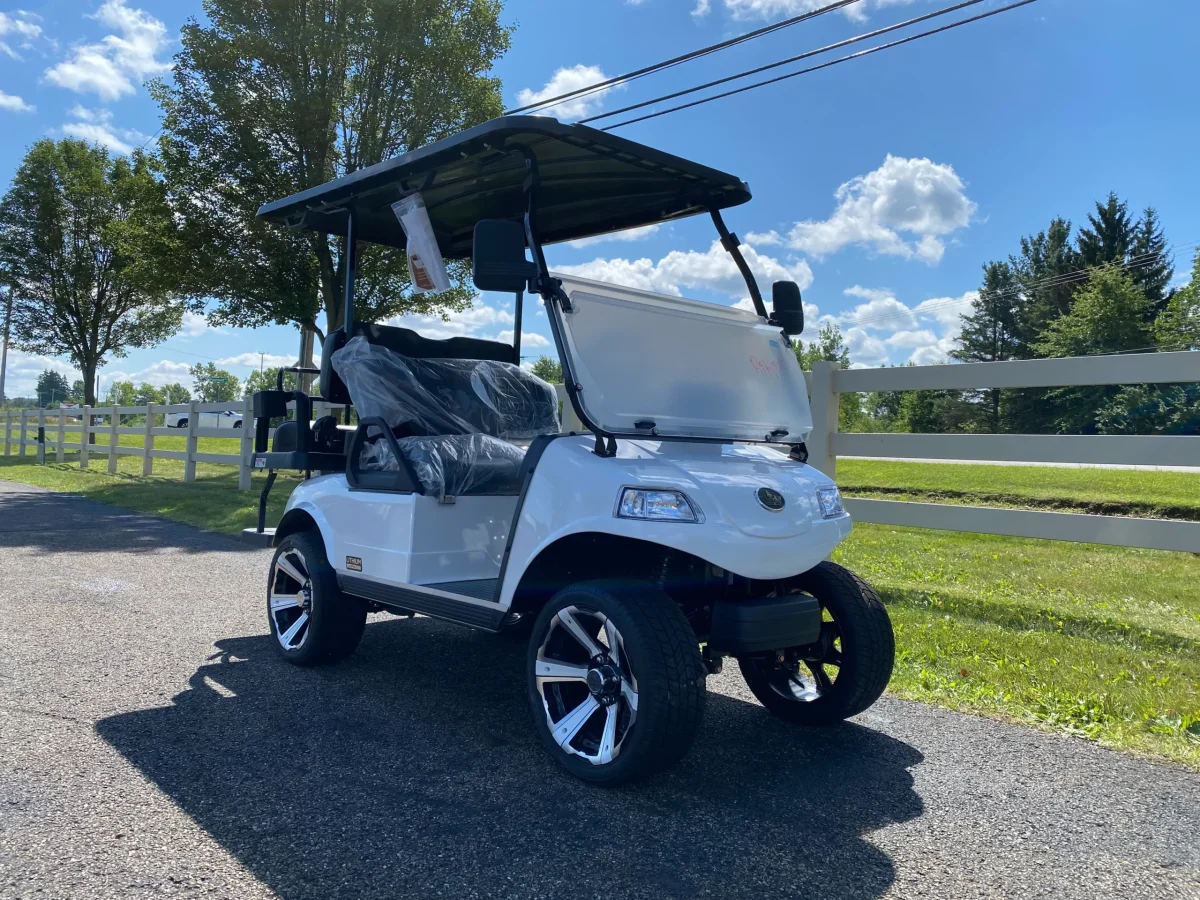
x,y
781,9
24,368
529,340
96,126
255,360
926,333
113,67
18,26
13,103
630,234
917,198
195,325
480,321
712,270
163,372
562,82
701,9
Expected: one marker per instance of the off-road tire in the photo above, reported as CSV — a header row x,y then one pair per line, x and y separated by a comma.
x,y
336,619
868,650
665,658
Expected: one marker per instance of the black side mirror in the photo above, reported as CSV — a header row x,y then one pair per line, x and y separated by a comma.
x,y
498,260
788,310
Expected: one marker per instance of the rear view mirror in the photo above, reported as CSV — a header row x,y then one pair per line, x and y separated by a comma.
x,y
498,260
788,310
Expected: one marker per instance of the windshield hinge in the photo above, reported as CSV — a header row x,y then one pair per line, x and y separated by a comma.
x,y
606,446
799,452
564,302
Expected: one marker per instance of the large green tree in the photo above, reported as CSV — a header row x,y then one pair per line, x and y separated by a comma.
x,y
271,97
214,385
92,249
993,332
1114,237
1178,328
52,389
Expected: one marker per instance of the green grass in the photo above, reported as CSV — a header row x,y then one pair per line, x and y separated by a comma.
x,y
1098,642
1173,495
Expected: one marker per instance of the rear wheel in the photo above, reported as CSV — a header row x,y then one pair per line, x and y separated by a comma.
x,y
616,682
311,620
845,671
182,423
237,424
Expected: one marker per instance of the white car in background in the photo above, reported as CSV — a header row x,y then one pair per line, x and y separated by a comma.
x,y
226,419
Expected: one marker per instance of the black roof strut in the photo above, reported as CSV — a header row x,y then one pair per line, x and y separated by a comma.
x,y
730,242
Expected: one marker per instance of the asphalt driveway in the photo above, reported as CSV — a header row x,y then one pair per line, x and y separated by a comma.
x,y
151,744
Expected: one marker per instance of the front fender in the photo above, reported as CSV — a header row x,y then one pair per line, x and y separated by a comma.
x,y
298,504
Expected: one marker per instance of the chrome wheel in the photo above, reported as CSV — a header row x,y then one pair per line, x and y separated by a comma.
x,y
588,689
290,599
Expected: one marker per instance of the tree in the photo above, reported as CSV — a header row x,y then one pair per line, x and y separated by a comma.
x,y
1114,238
78,392
829,346
1151,270
1109,316
147,393
214,385
175,393
992,331
121,393
93,249
1178,328
268,99
52,389
548,369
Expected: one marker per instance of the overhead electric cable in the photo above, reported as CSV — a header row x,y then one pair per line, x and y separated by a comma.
x,y
783,62
687,57
825,65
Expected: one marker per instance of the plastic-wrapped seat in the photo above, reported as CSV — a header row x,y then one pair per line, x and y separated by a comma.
x,y
453,417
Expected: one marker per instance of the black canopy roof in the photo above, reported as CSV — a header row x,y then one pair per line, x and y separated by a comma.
x,y
592,183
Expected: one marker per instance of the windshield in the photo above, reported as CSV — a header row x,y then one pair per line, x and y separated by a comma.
x,y
692,369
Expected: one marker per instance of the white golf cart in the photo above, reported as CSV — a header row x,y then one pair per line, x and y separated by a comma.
x,y
683,527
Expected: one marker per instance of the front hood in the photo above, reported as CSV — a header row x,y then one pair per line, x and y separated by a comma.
x,y
724,479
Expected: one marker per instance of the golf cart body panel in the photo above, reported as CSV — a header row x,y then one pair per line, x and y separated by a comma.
x,y
646,363
593,182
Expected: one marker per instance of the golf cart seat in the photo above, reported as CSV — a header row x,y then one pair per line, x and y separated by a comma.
x,y
451,420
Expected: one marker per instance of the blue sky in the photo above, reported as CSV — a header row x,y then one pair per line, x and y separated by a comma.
x,y
880,185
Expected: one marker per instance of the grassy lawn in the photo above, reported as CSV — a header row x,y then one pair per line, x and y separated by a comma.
x,y
1098,642
1173,495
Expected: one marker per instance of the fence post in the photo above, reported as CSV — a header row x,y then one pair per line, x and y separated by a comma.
x,y
189,465
247,447
60,451
7,430
825,418
148,442
114,440
85,433
24,429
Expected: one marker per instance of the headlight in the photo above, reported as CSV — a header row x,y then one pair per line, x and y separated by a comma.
x,y
830,500
663,506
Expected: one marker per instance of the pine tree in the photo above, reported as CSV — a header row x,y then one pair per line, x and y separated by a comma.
x,y
992,332
1151,270
1110,236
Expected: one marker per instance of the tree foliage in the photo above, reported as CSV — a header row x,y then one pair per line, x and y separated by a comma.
x,y
92,250
52,389
271,98
548,369
213,385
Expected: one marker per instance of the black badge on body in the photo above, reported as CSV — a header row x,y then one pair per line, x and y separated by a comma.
x,y
770,499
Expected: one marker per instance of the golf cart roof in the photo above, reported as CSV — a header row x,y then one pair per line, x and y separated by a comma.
x,y
592,182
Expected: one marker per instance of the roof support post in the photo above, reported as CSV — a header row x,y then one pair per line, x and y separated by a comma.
x,y
730,242
520,303
351,271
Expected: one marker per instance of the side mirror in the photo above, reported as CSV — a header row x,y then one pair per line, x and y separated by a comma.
x,y
788,310
498,260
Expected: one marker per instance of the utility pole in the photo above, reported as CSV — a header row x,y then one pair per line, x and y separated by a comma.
x,y
4,352
262,356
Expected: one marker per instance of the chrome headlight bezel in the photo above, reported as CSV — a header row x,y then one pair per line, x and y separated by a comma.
x,y
829,501
648,512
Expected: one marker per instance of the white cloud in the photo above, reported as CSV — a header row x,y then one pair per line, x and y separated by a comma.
x,y
13,103
469,323
529,340
255,360
96,126
21,25
915,197
881,307
780,9
713,270
630,234
563,82
24,368
112,67
702,9
865,349
162,372
195,325
929,331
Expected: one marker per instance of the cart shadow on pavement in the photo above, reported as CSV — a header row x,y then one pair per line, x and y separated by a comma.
x,y
412,770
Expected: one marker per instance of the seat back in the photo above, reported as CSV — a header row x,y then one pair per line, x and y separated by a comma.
x,y
407,343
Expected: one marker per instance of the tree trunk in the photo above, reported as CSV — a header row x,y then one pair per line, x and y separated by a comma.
x,y
89,394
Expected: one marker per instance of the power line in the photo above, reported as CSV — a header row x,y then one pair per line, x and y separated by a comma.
x,y
783,62
678,60
825,65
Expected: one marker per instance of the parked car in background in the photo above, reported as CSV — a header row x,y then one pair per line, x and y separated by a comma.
x,y
226,419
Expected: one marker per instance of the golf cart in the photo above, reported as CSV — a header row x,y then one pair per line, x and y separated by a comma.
x,y
681,528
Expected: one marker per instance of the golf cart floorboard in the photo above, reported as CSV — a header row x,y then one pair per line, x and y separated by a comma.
x,y
464,602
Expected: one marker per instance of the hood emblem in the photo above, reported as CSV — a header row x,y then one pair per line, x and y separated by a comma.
x,y
769,499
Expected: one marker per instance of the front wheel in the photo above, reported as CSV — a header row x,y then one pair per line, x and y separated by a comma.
x,y
237,424
182,423
616,681
311,620
845,671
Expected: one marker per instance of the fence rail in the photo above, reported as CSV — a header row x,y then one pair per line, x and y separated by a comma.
x,y
80,423
825,444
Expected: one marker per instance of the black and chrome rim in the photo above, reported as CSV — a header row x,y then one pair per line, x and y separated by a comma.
x,y
805,674
290,599
587,685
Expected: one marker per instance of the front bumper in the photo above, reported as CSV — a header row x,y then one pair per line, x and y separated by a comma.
x,y
764,623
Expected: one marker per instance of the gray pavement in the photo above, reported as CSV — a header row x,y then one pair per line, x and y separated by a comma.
x,y
151,744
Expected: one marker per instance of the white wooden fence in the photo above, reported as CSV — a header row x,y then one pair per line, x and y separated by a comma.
x,y
828,382
70,429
